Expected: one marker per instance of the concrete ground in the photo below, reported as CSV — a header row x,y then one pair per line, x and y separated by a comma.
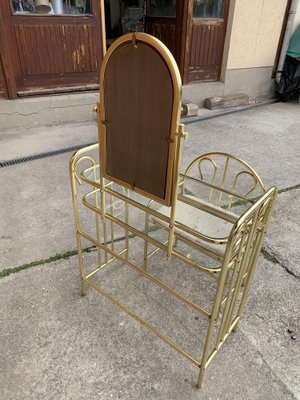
x,y
56,344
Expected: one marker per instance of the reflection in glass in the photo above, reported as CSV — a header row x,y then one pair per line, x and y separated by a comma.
x,y
52,7
161,8
209,9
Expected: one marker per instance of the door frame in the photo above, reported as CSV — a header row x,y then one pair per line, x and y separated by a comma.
x,y
3,88
188,37
181,28
8,53
10,57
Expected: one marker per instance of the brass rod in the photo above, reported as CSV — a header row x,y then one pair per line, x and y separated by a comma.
x,y
149,277
200,248
196,245
129,228
194,265
216,211
155,251
215,311
198,235
218,188
223,179
231,293
144,323
243,266
226,301
215,351
104,265
97,223
138,205
156,215
146,243
175,175
72,170
209,271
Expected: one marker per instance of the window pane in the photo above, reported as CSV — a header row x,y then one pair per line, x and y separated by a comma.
x,y
162,8
209,9
52,7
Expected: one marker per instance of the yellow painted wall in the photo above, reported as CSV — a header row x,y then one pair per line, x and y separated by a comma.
x,y
256,27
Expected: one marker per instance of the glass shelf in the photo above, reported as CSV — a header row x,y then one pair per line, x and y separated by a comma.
x,y
203,212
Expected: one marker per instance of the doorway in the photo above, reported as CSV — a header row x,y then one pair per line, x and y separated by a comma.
x,y
123,16
193,30
160,18
207,23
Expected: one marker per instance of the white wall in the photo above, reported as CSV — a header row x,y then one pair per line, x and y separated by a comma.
x,y
255,31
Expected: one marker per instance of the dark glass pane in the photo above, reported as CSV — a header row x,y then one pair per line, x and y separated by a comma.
x,y
52,7
208,9
162,8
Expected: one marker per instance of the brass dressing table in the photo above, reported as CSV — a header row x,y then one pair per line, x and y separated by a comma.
x,y
212,218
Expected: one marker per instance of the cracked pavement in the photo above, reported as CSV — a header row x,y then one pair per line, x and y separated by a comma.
x,y
56,344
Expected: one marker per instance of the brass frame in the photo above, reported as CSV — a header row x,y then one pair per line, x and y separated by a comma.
x,y
233,277
247,170
175,129
236,265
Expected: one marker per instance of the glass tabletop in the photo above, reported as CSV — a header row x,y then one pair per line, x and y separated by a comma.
x,y
201,209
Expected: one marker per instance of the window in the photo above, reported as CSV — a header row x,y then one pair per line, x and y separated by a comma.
x,y
161,8
209,9
52,7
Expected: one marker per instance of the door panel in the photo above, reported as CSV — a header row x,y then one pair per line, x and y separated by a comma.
x,y
164,20
164,29
55,51
206,52
3,89
205,42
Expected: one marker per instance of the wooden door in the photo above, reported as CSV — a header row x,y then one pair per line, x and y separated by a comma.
x,y
53,52
164,20
207,21
3,90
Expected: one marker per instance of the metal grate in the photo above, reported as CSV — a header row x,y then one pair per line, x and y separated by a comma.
x,y
38,156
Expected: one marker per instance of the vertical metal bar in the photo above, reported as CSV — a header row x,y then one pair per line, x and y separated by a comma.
x,y
97,221
104,221
102,24
251,270
145,242
212,182
77,225
231,290
215,311
103,216
111,209
256,253
126,205
242,268
220,337
103,198
178,138
223,180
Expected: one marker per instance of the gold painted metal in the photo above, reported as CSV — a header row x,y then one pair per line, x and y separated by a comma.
x,y
176,133
114,206
247,233
103,27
